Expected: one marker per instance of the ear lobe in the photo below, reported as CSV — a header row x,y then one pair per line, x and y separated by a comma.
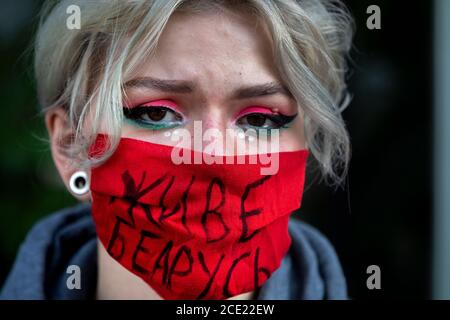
x,y
60,136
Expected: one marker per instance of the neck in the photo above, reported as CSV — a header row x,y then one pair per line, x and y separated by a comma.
x,y
114,282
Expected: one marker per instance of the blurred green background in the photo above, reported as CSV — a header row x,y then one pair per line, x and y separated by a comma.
x,y
383,217
31,186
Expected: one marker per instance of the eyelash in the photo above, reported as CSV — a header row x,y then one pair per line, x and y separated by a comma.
x,y
281,121
135,114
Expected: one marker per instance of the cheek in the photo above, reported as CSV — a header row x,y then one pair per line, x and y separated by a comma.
x,y
154,136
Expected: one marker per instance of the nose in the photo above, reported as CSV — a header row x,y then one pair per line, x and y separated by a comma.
x,y
213,123
214,117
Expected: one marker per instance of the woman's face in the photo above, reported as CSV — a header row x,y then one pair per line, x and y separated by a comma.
x,y
217,69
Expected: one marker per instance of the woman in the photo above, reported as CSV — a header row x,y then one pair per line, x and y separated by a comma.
x,y
184,128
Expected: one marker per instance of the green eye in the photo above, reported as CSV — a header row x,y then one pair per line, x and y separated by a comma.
x,y
153,117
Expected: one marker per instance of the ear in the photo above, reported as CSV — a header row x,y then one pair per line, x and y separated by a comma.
x,y
60,134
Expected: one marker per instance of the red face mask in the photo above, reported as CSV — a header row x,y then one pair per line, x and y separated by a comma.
x,y
194,231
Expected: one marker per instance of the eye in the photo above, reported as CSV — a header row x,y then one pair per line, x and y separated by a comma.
x,y
256,119
265,121
153,117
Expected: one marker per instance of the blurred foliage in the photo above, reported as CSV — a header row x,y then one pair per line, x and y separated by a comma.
x,y
31,186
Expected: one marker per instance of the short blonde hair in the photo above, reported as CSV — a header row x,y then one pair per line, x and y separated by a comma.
x,y
84,70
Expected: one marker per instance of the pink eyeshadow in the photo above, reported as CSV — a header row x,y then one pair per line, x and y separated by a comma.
x,y
161,102
253,109
166,103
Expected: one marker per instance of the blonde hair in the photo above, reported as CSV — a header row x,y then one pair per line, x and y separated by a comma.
x,y
84,70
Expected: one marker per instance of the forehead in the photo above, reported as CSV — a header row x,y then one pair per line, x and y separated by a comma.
x,y
210,45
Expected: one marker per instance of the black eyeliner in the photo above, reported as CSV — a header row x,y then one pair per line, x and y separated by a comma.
x,y
281,120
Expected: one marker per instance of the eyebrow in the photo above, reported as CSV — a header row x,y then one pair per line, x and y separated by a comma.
x,y
182,86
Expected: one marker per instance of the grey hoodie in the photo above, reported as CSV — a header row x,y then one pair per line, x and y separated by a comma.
x,y
310,270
